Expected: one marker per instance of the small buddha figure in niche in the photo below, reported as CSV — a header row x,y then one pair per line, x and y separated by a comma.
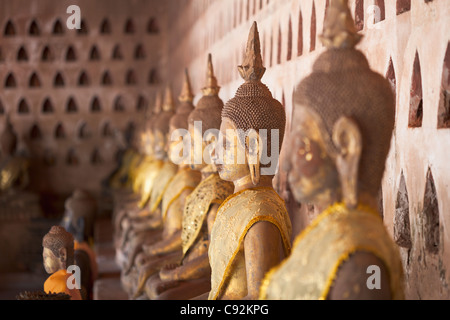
x,y
78,219
251,232
13,168
168,250
58,255
344,118
192,277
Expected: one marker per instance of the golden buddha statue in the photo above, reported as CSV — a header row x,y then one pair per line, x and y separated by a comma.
x,y
251,233
131,213
147,228
13,168
58,255
79,218
156,255
344,118
192,277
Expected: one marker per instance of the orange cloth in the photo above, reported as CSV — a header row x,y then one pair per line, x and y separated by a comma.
x,y
92,257
57,283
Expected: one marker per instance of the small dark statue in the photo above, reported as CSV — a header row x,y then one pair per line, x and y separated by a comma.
x,y
79,217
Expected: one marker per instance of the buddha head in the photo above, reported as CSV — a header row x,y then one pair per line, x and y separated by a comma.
x,y
147,136
79,215
58,249
161,126
204,122
342,123
8,139
178,126
253,124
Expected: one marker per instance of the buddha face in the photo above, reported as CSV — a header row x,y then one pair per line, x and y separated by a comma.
x,y
51,262
147,141
197,148
201,147
160,148
229,154
177,147
312,171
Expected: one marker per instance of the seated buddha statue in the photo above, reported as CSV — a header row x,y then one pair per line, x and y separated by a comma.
x,y
192,277
58,255
78,219
168,249
344,119
251,232
147,228
129,212
13,168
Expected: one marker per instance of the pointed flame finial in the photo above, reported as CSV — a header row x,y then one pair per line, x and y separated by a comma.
x,y
186,92
252,69
339,31
168,100
211,88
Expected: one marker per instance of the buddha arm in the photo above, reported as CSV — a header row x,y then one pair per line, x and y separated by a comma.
x,y
352,279
263,250
167,245
152,222
194,269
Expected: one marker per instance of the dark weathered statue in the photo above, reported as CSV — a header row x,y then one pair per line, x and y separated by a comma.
x,y
58,255
13,168
79,218
340,138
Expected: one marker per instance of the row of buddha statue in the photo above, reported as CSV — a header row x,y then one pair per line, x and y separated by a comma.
x,y
217,229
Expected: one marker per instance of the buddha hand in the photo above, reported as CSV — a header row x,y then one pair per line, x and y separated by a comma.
x,y
168,272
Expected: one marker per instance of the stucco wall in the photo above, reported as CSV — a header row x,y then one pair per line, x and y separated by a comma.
x,y
406,27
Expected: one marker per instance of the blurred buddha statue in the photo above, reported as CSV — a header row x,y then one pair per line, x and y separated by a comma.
x,y
58,255
343,122
251,233
192,277
79,219
130,212
13,168
147,228
173,197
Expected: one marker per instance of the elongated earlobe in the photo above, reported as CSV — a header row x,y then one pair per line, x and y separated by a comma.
x,y
348,141
253,152
63,257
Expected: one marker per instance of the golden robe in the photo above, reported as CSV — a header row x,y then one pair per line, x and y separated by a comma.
x,y
212,190
185,179
323,246
234,218
146,180
162,180
12,170
124,176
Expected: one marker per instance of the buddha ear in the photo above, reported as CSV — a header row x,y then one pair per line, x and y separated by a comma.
x,y
63,255
253,151
348,141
